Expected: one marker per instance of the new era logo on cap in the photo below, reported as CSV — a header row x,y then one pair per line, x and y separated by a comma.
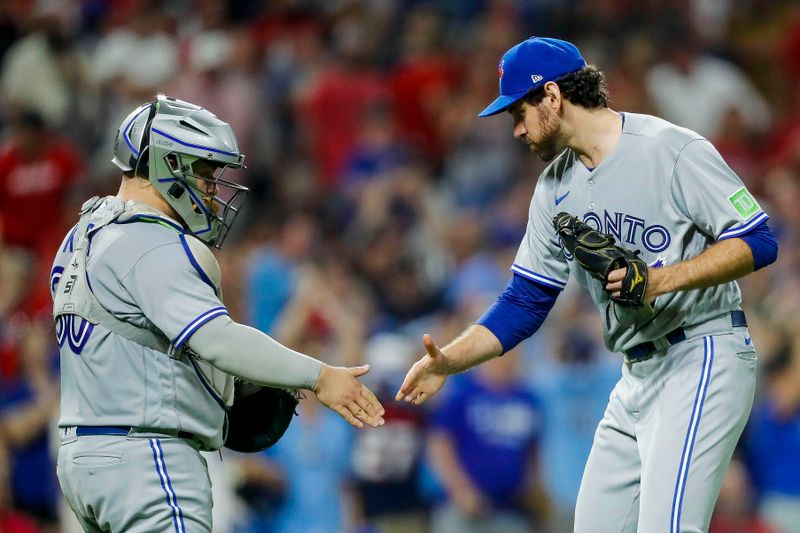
x,y
549,58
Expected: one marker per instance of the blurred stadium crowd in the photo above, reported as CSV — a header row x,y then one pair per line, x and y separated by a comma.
x,y
382,208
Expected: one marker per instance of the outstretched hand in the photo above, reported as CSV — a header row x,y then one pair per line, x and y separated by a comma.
x,y
339,390
427,375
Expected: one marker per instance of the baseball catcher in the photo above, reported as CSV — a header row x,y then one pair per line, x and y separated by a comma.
x,y
598,253
154,369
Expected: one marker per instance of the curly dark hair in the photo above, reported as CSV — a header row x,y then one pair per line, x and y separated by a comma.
x,y
585,87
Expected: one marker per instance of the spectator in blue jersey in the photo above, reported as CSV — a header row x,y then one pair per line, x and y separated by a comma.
x,y
484,449
11,520
27,405
772,440
304,482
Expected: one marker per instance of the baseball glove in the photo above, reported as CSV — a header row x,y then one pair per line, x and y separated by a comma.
x,y
599,254
258,417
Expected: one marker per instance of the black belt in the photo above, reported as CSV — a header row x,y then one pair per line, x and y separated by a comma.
x,y
83,431
648,348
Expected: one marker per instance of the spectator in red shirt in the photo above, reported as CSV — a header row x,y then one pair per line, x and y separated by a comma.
x,y
37,171
423,81
329,109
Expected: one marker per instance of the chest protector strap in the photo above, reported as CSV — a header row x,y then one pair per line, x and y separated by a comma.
x,y
73,295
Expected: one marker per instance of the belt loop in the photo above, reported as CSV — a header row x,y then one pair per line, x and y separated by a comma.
x,y
661,343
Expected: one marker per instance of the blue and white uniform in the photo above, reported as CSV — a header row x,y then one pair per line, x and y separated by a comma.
x,y
148,351
148,355
663,190
687,386
142,271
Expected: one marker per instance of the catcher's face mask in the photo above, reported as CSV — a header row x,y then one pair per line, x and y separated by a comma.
x,y
184,149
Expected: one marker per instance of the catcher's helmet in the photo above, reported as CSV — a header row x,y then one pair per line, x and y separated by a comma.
x,y
183,150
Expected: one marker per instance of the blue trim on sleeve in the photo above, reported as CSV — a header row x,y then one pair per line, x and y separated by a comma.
x,y
762,243
195,264
738,231
195,324
535,276
519,311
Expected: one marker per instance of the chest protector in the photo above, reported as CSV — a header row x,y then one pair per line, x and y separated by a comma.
x,y
73,295
258,417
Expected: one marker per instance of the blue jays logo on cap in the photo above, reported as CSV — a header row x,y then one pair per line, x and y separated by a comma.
x,y
530,64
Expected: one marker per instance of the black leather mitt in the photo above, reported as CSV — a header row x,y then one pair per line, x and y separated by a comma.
x,y
599,254
258,417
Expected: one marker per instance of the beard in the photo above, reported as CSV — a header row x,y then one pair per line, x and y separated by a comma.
x,y
549,145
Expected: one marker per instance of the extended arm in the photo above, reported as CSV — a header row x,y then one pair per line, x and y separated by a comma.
x,y
472,347
515,316
250,354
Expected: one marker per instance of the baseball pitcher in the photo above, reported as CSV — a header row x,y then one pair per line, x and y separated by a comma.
x,y
649,219
148,351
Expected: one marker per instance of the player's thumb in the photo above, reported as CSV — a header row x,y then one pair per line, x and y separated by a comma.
x,y
430,346
359,370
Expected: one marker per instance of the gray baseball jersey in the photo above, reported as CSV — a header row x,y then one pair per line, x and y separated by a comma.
x,y
145,272
673,420
663,190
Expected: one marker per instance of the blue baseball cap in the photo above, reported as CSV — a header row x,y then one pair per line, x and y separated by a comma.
x,y
531,64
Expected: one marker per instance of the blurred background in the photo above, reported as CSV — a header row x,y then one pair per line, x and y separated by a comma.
x,y
382,208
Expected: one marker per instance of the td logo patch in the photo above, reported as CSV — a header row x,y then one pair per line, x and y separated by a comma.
x,y
744,203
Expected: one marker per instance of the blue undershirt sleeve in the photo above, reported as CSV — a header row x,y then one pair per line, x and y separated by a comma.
x,y
762,242
519,311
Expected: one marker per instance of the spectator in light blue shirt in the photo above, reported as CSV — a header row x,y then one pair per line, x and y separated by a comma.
x,y
306,475
272,269
574,392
